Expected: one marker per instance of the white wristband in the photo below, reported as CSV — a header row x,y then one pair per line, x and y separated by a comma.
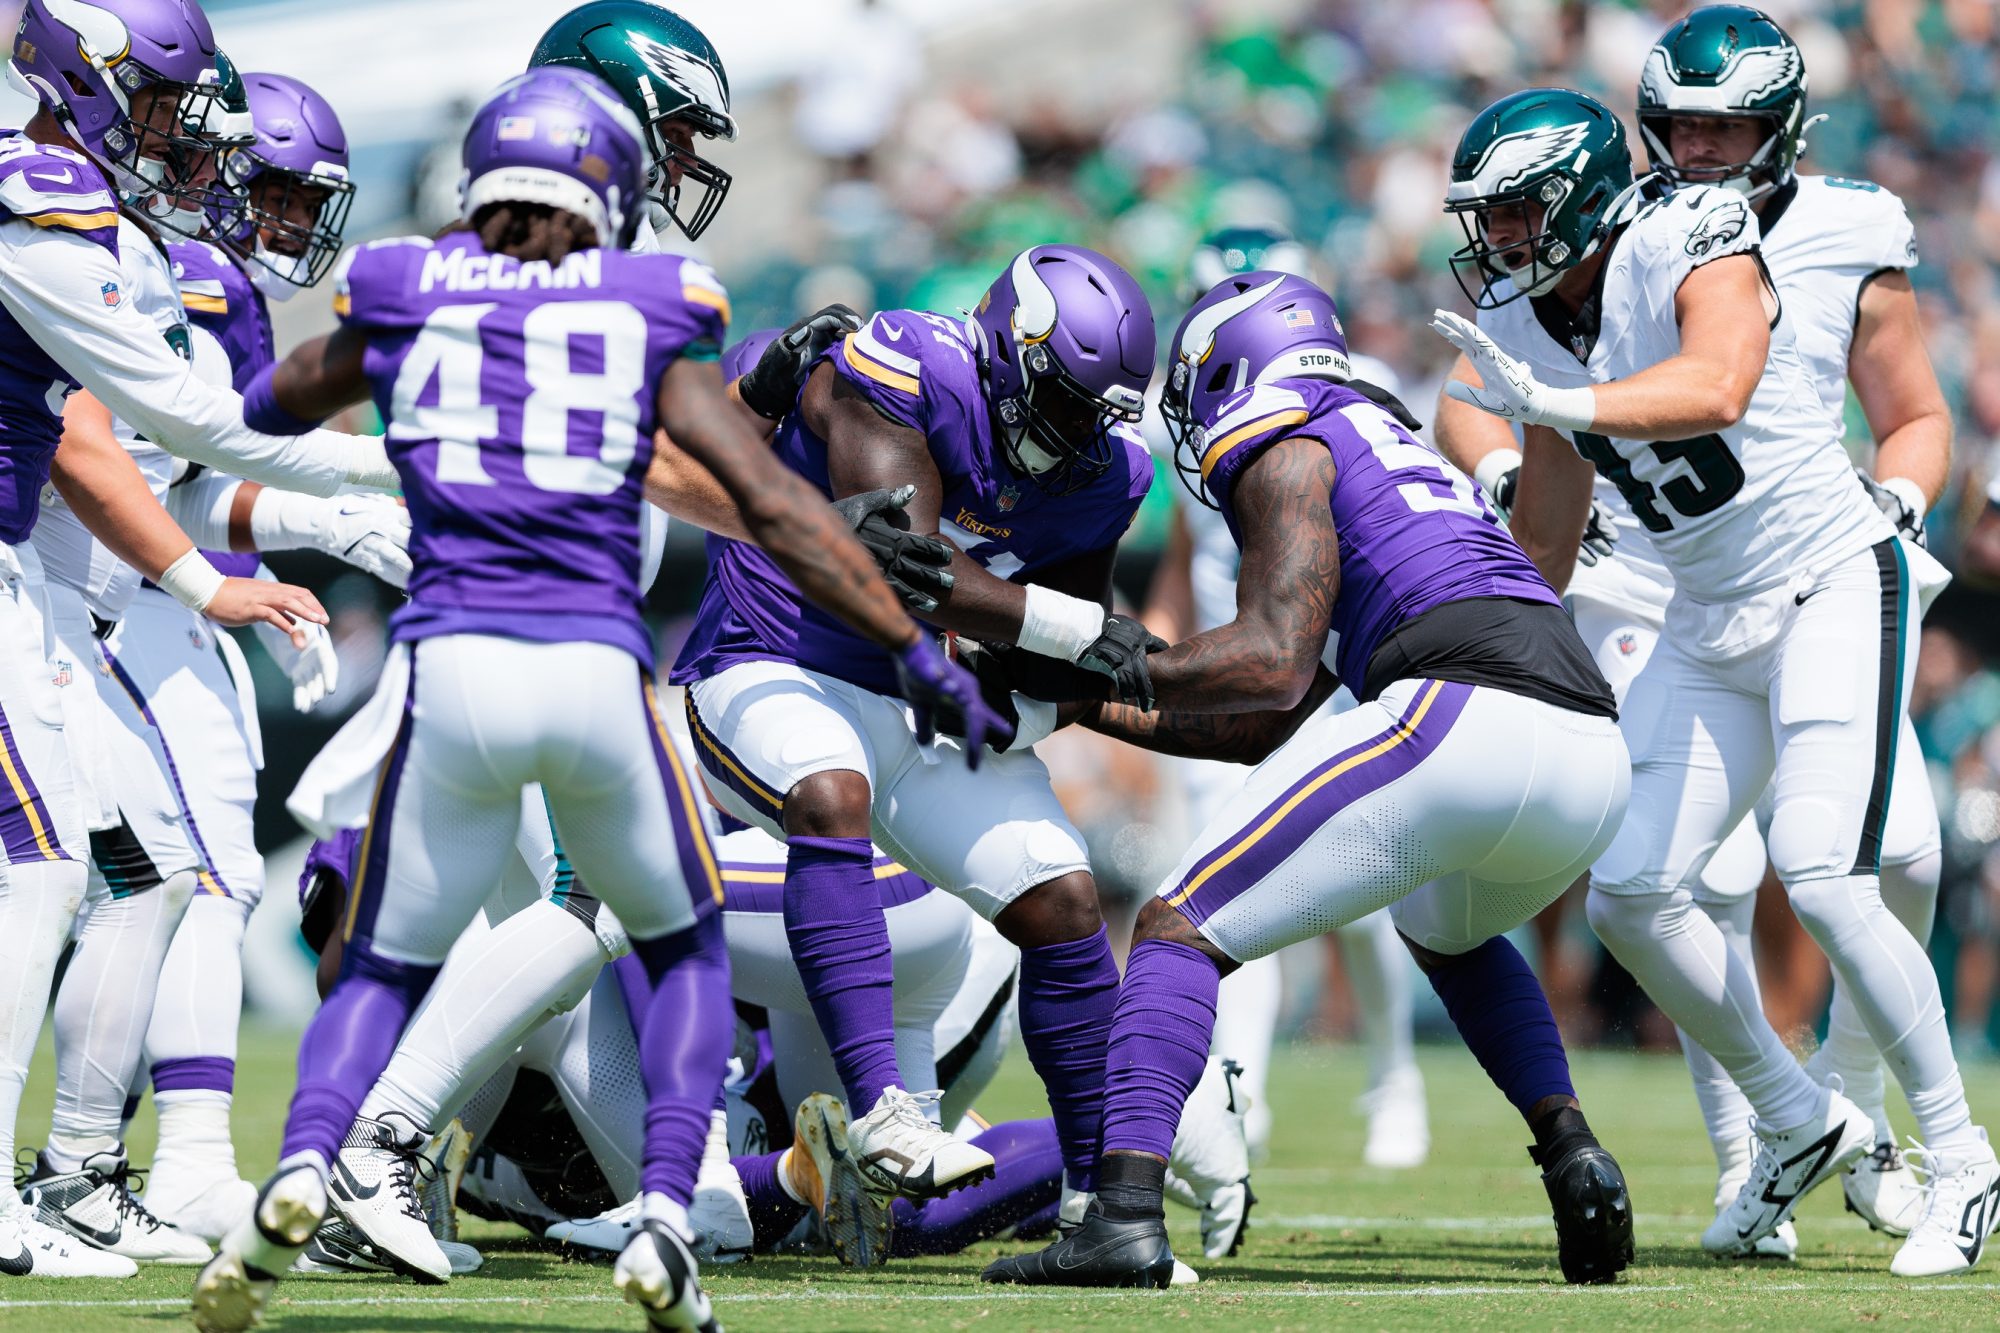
x,y
1058,625
1908,492
1566,409
191,580
1488,471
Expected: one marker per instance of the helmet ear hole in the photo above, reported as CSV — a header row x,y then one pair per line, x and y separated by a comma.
x,y
1219,380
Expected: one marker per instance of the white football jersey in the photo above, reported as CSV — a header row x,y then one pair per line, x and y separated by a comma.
x,y
70,555
1730,514
1830,238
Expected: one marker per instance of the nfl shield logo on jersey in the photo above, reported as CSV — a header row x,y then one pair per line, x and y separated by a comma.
x,y
110,291
64,675
1008,498
1628,643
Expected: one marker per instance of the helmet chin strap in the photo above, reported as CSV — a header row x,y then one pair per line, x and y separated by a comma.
x,y
1033,459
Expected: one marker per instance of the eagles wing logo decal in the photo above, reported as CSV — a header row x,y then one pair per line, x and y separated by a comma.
x,y
1748,78
1511,160
683,69
1719,226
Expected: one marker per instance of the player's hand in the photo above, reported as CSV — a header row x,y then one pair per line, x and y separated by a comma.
x,y
1600,535
916,567
770,387
1895,498
285,608
945,696
1033,720
372,533
313,668
1507,388
1120,653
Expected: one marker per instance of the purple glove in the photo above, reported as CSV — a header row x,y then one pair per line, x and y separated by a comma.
x,y
944,694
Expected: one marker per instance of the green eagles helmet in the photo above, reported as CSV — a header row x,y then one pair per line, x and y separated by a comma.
x,y
664,69
1547,151
1726,60
1235,250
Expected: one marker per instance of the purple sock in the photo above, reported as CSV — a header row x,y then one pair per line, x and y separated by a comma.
x,y
348,1044
1504,1018
1068,995
1027,1179
684,1045
773,1213
204,1073
1159,1044
840,941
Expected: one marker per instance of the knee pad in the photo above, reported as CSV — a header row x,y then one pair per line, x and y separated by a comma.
x,y
1810,839
1830,907
1625,920
1910,891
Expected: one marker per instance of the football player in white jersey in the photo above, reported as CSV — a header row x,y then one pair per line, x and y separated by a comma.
x,y
1724,89
1647,330
1195,590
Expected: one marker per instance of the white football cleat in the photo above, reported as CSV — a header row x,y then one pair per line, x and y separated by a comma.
x,y
30,1247
657,1273
1183,1276
1789,1164
607,1233
1209,1164
376,1187
338,1248
1961,1209
1782,1244
200,1203
902,1151
1399,1126
95,1204
719,1212
1882,1191
821,1169
233,1288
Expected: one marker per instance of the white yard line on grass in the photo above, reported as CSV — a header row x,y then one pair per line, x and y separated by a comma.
x,y
1233,1291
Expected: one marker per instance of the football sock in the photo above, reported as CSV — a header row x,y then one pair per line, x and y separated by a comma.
x,y
1027,1178
1893,987
1724,1108
1246,1019
774,1211
194,1128
1684,964
1502,1015
191,1041
38,902
840,940
348,1044
1378,968
1159,1045
105,1003
1069,993
684,1044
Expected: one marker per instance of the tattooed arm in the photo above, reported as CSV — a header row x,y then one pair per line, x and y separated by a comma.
x,y
1234,738
1265,659
781,512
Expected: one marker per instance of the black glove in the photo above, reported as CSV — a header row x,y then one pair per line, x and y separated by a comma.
x,y
770,387
1600,534
916,567
1120,653
1909,523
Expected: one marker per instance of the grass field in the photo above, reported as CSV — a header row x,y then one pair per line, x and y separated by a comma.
x,y
1465,1242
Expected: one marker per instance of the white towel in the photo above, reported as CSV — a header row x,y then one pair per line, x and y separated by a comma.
x,y
335,790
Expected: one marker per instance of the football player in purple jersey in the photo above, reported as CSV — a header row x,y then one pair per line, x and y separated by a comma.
x,y
522,365
1482,768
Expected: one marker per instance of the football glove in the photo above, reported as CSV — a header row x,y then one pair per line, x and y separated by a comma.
x,y
1120,653
1901,502
945,696
770,387
1600,529
372,533
917,567
314,670
1508,388
1033,720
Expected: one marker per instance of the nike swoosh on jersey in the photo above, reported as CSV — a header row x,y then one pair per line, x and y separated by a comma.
x,y
892,332
68,176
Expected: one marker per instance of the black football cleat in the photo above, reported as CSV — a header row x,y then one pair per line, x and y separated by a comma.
x,y
1593,1211
1099,1253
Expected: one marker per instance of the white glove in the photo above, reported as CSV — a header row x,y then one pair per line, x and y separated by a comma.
x,y
1901,502
370,532
1509,389
313,670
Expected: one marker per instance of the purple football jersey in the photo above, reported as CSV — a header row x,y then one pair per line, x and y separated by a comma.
x,y
520,407
61,191
220,298
918,370
1415,533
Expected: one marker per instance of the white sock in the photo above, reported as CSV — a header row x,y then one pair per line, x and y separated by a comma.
x,y
1889,979
657,1207
1724,1108
1246,1018
106,1002
785,1177
38,903
1378,967
1681,959
495,987
194,1131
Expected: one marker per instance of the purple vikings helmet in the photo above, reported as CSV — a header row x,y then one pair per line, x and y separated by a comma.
x,y
1251,328
558,137
289,190
740,357
90,61
1066,345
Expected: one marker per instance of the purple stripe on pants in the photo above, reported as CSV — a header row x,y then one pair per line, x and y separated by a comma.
x,y
372,864
26,831
212,871
1277,831
720,764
